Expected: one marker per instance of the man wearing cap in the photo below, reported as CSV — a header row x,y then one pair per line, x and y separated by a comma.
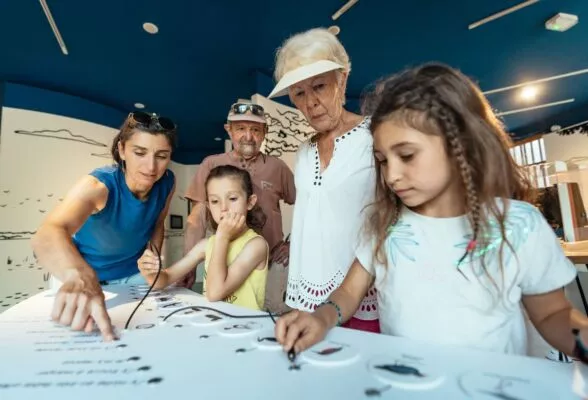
x,y
272,181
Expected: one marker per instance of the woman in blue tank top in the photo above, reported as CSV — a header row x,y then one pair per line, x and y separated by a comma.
x,y
105,222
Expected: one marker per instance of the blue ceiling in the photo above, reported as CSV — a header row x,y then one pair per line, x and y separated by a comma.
x,y
209,53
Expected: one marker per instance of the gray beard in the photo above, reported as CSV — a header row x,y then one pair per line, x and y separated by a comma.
x,y
247,150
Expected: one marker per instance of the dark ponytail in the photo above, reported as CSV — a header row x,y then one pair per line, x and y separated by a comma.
x,y
256,218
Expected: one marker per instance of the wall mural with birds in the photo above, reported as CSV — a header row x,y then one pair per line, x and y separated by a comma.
x,y
41,156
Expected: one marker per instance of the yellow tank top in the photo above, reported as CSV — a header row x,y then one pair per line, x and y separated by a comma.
x,y
251,293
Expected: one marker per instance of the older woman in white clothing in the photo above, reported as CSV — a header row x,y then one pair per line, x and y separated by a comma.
x,y
334,176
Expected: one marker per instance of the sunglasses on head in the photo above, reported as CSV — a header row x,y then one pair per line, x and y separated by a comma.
x,y
242,108
152,121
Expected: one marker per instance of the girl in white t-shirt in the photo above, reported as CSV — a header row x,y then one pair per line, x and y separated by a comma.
x,y
453,246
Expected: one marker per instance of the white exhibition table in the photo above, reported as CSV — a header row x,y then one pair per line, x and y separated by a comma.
x,y
203,355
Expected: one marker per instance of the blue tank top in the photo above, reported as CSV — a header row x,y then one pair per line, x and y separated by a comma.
x,y
112,240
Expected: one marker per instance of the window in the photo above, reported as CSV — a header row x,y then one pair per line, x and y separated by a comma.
x,y
529,153
532,156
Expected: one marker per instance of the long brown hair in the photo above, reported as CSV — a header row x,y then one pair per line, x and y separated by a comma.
x,y
255,217
437,99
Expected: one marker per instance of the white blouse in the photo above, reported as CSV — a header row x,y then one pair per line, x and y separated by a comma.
x,y
328,219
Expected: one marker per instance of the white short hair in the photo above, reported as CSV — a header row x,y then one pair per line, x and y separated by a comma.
x,y
307,47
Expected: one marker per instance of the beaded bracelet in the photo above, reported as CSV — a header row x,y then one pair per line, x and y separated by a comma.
x,y
339,315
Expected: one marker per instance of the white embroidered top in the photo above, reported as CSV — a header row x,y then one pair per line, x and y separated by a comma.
x,y
328,218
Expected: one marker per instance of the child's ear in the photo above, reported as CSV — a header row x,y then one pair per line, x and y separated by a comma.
x,y
252,202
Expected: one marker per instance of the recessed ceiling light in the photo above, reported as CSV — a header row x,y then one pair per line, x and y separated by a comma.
x,y
529,93
218,139
150,28
555,128
139,105
335,30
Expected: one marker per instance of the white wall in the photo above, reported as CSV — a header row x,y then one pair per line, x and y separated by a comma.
x,y
41,156
560,148
174,238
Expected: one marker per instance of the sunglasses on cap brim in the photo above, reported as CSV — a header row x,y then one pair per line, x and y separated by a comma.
x,y
242,108
151,121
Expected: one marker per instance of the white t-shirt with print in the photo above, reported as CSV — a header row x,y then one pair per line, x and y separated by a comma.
x,y
328,218
422,296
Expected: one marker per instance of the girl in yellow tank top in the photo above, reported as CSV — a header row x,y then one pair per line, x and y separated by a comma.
x,y
251,293
235,257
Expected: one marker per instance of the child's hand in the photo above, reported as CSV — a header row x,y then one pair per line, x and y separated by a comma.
x,y
300,330
148,263
230,226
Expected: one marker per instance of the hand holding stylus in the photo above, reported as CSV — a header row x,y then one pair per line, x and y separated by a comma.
x,y
299,330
